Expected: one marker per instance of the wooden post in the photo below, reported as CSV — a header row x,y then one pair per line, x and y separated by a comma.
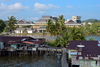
x,y
40,52
32,52
9,53
0,53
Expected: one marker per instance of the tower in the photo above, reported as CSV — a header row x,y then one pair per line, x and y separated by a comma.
x,y
76,19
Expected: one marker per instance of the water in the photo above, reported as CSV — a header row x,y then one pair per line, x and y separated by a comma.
x,y
28,61
94,37
87,38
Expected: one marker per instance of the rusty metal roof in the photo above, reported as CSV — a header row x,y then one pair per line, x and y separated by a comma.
x,y
15,39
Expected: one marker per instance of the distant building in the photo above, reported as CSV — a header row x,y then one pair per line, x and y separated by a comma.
x,y
24,23
84,53
75,21
29,30
87,23
41,23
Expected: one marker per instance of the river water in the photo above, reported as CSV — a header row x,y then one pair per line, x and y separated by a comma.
x,y
28,61
94,37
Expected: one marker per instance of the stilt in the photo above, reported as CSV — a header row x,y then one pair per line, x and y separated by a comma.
x,y
32,53
9,53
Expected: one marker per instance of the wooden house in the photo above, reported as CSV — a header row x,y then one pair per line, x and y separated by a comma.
x,y
8,42
84,53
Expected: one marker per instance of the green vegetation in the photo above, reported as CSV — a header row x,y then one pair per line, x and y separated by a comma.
x,y
2,25
91,39
63,34
10,25
93,29
25,31
91,20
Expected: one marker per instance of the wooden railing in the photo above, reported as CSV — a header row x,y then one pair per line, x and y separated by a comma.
x,y
50,49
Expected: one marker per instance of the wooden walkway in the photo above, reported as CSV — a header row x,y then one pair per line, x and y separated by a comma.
x,y
50,49
64,58
64,54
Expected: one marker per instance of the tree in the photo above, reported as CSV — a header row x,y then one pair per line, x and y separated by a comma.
x,y
2,25
49,26
57,29
91,39
64,34
25,31
77,33
11,23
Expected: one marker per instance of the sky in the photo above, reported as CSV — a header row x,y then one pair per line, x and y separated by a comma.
x,y
32,10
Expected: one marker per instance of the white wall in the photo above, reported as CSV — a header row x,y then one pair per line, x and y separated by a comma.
x,y
29,31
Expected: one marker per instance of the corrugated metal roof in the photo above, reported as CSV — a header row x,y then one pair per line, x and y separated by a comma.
x,y
13,39
91,48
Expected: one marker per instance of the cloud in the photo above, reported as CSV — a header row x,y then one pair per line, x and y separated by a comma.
x,y
53,6
16,6
5,0
69,6
39,6
11,9
41,12
98,5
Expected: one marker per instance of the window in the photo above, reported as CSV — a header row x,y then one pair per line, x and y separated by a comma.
x,y
86,58
80,57
79,53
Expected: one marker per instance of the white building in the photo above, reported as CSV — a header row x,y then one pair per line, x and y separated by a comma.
x,y
75,21
20,30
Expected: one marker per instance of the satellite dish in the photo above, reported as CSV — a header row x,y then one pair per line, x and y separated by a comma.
x,y
99,41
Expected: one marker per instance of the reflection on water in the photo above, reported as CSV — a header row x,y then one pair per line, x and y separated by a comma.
x,y
87,38
29,61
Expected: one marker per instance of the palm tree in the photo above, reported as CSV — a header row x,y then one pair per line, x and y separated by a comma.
x,y
65,39
57,42
11,23
48,26
77,34
58,29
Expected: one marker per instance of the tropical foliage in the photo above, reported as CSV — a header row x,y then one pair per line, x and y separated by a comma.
x,y
91,20
91,39
25,31
62,33
2,25
92,29
10,25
